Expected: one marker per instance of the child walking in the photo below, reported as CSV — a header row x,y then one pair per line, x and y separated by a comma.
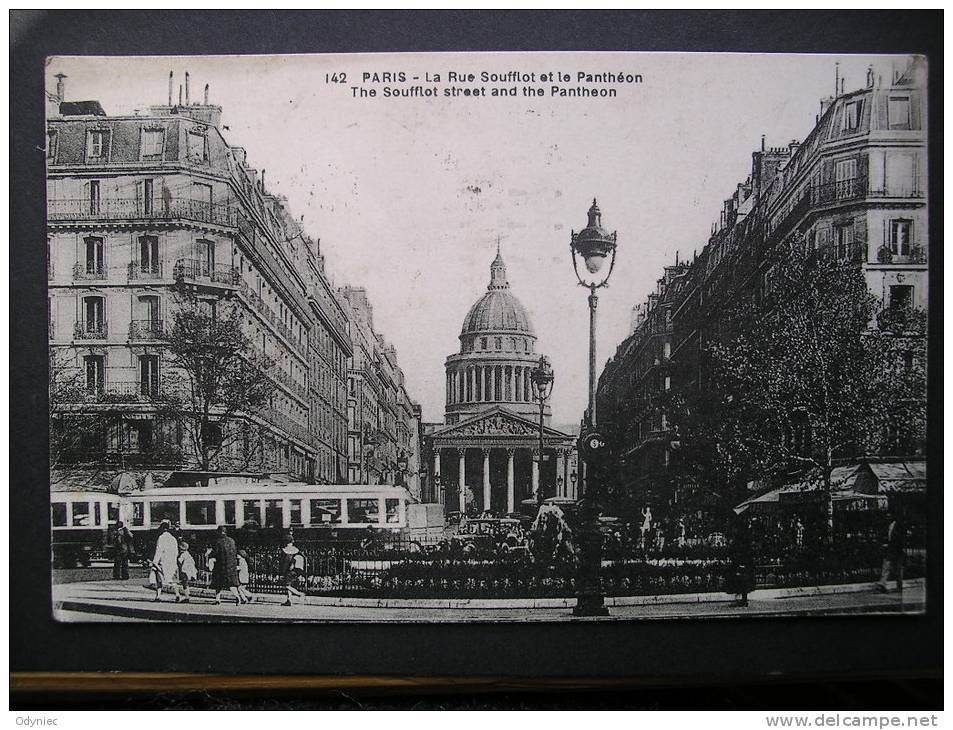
x,y
187,571
243,577
292,567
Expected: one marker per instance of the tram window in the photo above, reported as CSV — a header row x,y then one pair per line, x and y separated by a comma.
x,y
159,511
251,511
80,514
200,512
392,507
296,512
363,510
325,511
98,514
112,512
58,510
229,511
138,514
273,513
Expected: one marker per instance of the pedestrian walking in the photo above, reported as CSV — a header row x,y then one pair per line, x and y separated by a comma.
x,y
742,561
187,571
165,565
292,568
243,577
894,553
122,549
225,570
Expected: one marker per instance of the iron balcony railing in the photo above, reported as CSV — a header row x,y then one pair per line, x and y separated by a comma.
x,y
87,330
145,329
201,271
835,192
268,313
145,270
123,209
282,377
133,391
90,271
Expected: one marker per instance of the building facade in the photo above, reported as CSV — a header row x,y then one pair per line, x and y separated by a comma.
x,y
485,457
383,440
142,204
631,402
854,190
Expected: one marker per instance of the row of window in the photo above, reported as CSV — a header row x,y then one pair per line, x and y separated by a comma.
x,y
898,113
202,512
151,144
93,264
511,344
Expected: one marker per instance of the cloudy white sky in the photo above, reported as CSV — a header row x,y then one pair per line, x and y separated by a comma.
x,y
409,196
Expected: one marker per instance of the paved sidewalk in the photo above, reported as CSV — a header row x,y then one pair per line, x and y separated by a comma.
x,y
111,601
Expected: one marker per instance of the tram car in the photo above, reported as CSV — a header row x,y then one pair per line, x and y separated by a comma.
x,y
80,522
255,508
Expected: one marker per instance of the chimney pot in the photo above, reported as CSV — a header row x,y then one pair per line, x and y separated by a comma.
x,y
206,95
61,87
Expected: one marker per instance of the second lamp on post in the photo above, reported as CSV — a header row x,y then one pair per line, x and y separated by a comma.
x,y
542,379
594,245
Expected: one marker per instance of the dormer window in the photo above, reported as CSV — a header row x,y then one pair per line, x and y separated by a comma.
x,y
898,112
97,144
197,147
152,143
851,116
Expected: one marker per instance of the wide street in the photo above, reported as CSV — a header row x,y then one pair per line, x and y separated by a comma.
x,y
109,601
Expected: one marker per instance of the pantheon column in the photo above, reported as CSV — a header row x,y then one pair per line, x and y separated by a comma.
x,y
486,480
462,481
436,476
510,486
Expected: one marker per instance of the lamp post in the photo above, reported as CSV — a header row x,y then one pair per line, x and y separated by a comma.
x,y
542,379
593,244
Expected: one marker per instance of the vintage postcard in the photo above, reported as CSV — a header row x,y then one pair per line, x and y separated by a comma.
x,y
484,337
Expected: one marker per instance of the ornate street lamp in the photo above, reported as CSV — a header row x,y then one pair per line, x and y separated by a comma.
x,y
542,378
594,245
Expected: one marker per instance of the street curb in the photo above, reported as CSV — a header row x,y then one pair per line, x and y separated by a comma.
x,y
568,602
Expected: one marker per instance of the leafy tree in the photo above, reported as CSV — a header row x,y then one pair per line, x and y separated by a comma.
x,y
217,378
77,433
804,378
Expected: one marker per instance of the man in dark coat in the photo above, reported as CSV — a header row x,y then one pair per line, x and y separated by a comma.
x,y
225,571
894,553
122,549
741,554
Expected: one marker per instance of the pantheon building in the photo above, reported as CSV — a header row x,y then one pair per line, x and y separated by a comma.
x,y
489,441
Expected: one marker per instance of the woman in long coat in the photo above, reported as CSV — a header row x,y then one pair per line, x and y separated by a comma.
x,y
165,567
225,572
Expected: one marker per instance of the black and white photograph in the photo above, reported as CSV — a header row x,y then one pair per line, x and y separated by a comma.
x,y
487,337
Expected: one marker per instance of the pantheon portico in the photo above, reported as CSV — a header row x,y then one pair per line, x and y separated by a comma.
x,y
489,443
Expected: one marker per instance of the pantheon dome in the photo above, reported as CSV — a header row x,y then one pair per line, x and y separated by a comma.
x,y
497,354
498,310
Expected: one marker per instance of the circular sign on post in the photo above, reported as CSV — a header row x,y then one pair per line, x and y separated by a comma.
x,y
592,445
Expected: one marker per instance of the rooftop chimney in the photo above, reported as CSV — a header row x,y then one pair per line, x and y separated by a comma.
x,y
170,88
186,88
762,143
205,100
180,94
836,78
60,87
